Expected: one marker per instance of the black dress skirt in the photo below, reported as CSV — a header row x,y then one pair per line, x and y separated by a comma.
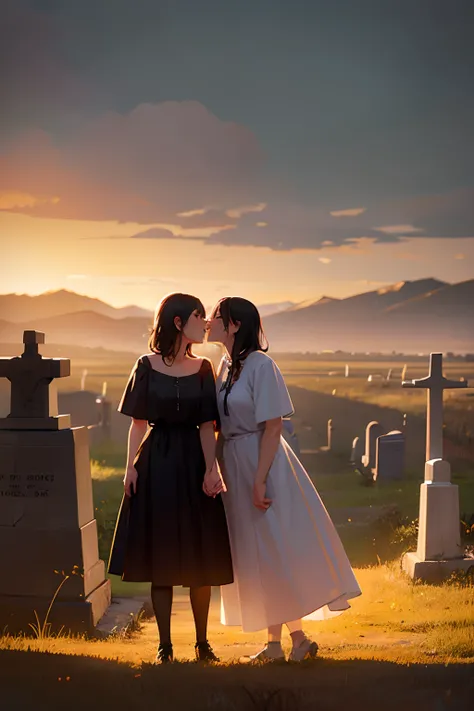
x,y
169,532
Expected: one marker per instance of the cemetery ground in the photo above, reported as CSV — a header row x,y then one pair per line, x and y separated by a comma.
x,y
400,643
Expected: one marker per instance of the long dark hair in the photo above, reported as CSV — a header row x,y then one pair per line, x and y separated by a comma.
x,y
165,338
249,338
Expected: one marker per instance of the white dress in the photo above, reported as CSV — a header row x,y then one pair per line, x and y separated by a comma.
x,y
288,561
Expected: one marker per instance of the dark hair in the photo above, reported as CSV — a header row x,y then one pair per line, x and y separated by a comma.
x,y
165,338
249,338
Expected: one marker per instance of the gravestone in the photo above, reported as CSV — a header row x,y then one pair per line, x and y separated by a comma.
x,y
372,432
335,442
390,457
357,451
330,431
289,435
439,550
47,525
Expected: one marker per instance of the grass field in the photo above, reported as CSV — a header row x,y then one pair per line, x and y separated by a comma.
x,y
401,644
320,376
397,637
375,524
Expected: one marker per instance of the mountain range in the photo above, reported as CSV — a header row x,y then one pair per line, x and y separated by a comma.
x,y
410,316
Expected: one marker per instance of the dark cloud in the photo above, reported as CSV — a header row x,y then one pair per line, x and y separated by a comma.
x,y
139,111
292,226
208,218
144,167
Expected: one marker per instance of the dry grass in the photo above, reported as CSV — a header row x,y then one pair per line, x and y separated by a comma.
x,y
401,645
394,620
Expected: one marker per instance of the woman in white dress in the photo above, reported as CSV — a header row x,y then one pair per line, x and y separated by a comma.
x,y
288,560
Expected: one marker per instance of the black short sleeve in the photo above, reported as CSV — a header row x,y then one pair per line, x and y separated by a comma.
x,y
134,398
208,411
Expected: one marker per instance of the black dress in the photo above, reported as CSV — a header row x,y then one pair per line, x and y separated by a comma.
x,y
169,532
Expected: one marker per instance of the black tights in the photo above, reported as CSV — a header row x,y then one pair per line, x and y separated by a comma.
x,y
162,599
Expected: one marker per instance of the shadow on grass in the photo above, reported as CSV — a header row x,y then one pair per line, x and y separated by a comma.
x,y
33,680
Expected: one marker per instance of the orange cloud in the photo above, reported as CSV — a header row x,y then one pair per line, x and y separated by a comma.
x,y
146,166
245,210
353,212
11,199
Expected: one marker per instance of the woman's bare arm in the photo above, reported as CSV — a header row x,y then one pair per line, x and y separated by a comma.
x,y
268,448
208,443
136,434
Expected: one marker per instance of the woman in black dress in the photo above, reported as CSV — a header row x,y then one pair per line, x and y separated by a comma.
x,y
171,528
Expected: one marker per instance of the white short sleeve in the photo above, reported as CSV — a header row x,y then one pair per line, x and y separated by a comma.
x,y
270,395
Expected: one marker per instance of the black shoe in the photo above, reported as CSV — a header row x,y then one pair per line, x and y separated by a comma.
x,y
204,652
165,654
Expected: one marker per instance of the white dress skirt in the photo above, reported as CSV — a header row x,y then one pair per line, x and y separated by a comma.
x,y
289,562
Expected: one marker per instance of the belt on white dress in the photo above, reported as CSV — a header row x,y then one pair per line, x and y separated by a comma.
x,y
230,438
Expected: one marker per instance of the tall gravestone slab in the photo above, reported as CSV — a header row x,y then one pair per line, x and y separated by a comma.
x,y
390,457
47,519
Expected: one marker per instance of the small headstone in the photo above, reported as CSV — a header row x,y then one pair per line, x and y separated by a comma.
x,y
47,519
372,432
357,451
330,435
390,457
105,413
289,434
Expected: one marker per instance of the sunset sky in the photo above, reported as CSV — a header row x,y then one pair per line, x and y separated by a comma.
x,y
276,149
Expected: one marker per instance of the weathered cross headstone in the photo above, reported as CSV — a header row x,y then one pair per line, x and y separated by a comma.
x,y
373,430
47,519
439,550
390,457
33,403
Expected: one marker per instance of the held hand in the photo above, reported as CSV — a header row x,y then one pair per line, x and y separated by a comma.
x,y
259,498
213,482
130,482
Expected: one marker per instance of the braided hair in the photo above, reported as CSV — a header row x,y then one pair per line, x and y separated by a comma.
x,y
250,336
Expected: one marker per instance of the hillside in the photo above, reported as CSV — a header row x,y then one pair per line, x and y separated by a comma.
x,y
411,317
19,308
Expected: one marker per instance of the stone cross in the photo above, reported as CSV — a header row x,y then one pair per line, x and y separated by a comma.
x,y
30,375
435,383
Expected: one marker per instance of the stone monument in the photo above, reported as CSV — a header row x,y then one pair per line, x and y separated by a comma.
x,y
439,550
47,524
357,451
390,457
373,430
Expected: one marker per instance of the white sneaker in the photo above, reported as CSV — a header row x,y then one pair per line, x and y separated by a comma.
x,y
270,653
306,650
